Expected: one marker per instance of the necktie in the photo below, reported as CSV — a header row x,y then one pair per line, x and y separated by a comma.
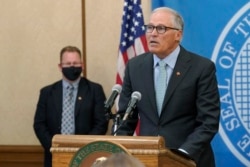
x,y
161,85
68,126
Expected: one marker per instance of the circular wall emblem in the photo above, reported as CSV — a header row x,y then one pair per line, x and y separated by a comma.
x,y
95,151
232,58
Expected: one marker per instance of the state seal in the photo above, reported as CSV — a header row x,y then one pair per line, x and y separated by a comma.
x,y
232,58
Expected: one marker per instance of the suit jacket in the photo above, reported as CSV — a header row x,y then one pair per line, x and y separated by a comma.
x,y
89,112
191,108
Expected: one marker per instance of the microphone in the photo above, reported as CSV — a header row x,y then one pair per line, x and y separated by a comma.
x,y
110,101
135,97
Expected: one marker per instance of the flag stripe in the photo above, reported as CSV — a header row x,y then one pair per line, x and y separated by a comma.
x,y
132,38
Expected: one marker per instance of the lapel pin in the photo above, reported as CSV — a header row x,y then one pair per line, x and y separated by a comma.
x,y
178,73
79,98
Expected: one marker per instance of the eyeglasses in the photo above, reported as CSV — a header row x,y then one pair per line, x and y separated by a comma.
x,y
75,64
160,29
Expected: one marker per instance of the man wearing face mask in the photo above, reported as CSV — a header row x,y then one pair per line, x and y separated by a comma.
x,y
73,105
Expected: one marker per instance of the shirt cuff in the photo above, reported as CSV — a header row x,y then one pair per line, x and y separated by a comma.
x,y
184,151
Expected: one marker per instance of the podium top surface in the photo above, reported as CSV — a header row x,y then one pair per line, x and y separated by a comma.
x,y
133,142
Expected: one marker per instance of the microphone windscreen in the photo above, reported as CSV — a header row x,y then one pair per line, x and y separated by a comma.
x,y
136,95
117,88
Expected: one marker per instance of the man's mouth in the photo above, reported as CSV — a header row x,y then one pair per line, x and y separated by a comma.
x,y
153,42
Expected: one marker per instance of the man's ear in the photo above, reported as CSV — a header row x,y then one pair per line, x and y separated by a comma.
x,y
60,67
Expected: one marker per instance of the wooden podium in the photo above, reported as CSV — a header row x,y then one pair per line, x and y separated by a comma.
x,y
149,150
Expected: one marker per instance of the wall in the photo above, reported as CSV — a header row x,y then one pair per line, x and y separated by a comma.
x,y
103,23
32,34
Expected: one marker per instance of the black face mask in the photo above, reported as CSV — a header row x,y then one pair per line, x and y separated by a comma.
x,y
72,73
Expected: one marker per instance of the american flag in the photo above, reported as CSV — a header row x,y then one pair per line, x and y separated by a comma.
x,y
132,40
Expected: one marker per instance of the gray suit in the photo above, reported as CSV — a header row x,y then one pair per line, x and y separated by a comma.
x,y
191,108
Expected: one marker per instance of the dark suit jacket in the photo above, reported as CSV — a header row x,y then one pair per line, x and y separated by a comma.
x,y
89,112
190,113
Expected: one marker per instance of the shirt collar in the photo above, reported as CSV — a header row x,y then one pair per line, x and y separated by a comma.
x,y
75,83
170,59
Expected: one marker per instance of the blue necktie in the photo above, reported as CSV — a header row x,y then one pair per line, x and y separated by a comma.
x,y
161,85
68,120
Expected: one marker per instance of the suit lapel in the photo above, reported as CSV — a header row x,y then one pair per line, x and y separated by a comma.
x,y
179,72
81,94
148,81
58,98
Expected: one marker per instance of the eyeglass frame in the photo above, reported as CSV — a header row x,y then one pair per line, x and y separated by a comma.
x,y
160,26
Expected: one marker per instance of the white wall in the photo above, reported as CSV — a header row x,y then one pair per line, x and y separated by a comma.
x,y
32,34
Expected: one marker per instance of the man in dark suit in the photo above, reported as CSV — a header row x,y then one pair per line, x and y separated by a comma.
x,y
188,117
86,100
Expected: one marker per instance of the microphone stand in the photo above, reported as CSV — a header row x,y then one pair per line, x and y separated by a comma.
x,y
116,119
118,122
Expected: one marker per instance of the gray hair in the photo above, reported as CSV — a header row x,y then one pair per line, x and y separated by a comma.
x,y
177,18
